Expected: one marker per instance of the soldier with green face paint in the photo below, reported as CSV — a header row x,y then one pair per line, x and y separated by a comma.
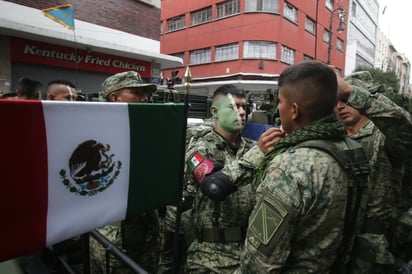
x,y
221,208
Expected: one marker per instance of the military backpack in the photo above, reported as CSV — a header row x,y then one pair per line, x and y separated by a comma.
x,y
354,161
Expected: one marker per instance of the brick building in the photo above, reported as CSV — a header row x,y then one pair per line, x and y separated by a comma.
x,y
109,37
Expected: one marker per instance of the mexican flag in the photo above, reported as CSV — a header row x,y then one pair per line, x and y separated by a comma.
x,y
70,167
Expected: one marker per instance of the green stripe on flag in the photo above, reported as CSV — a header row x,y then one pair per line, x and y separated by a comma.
x,y
156,140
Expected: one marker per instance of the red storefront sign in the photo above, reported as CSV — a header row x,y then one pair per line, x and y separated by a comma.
x,y
28,51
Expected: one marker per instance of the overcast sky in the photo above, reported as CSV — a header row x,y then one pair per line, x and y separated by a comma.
x,y
395,22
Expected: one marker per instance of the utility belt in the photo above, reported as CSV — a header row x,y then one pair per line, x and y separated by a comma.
x,y
222,235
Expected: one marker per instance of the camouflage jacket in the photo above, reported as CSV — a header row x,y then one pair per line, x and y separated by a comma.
x,y
192,133
380,194
207,214
380,188
302,197
393,121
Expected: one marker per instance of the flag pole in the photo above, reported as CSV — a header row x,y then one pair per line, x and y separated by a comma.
x,y
177,245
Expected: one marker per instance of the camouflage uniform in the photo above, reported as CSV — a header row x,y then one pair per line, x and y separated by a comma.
x,y
396,124
207,255
169,220
372,243
137,236
393,121
199,131
297,223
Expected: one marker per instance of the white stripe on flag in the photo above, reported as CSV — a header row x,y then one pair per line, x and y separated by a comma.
x,y
69,124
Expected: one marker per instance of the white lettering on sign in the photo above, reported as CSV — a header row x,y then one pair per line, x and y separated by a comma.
x,y
86,59
127,65
33,50
97,61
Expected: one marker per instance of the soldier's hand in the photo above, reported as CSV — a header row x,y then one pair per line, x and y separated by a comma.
x,y
344,88
270,138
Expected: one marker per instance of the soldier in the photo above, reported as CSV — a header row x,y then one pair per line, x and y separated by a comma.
x,y
138,236
61,90
371,253
193,135
219,213
298,219
399,156
28,89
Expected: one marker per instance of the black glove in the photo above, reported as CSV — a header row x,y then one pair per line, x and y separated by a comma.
x,y
217,186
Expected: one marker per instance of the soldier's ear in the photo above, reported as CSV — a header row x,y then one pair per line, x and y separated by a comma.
x,y
213,111
114,97
295,111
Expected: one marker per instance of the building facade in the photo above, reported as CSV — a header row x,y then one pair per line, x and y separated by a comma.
x,y
362,30
387,58
248,42
37,47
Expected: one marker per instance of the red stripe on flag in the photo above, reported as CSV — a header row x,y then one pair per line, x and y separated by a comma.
x,y
23,178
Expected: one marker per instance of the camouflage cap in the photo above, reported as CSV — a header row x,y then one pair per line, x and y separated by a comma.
x,y
128,79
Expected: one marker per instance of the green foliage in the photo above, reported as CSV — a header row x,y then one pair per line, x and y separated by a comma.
x,y
389,78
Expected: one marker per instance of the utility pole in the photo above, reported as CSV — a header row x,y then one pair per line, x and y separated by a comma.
x,y
341,16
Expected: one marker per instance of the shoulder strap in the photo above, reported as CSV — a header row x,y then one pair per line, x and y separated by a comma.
x,y
353,159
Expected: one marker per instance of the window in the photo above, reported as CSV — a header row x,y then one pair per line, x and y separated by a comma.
x,y
353,9
287,55
180,55
329,4
200,56
259,49
201,16
310,25
227,8
262,5
176,23
326,36
339,44
227,52
307,58
290,12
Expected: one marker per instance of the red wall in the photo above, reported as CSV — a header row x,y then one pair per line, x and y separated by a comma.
x,y
251,26
126,15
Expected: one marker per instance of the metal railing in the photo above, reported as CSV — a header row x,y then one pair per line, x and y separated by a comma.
x,y
110,249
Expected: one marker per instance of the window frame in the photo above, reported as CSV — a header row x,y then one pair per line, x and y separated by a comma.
x,y
230,51
327,36
287,55
201,16
290,12
175,21
253,49
204,55
227,8
313,22
262,6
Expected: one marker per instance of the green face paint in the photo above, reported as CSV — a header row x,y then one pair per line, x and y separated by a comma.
x,y
227,116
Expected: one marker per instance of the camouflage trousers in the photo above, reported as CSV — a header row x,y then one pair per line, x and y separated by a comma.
x,y
168,240
138,237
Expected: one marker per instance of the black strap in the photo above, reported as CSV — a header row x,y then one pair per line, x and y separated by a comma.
x,y
222,235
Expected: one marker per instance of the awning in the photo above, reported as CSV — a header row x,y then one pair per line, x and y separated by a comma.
x,y
21,21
